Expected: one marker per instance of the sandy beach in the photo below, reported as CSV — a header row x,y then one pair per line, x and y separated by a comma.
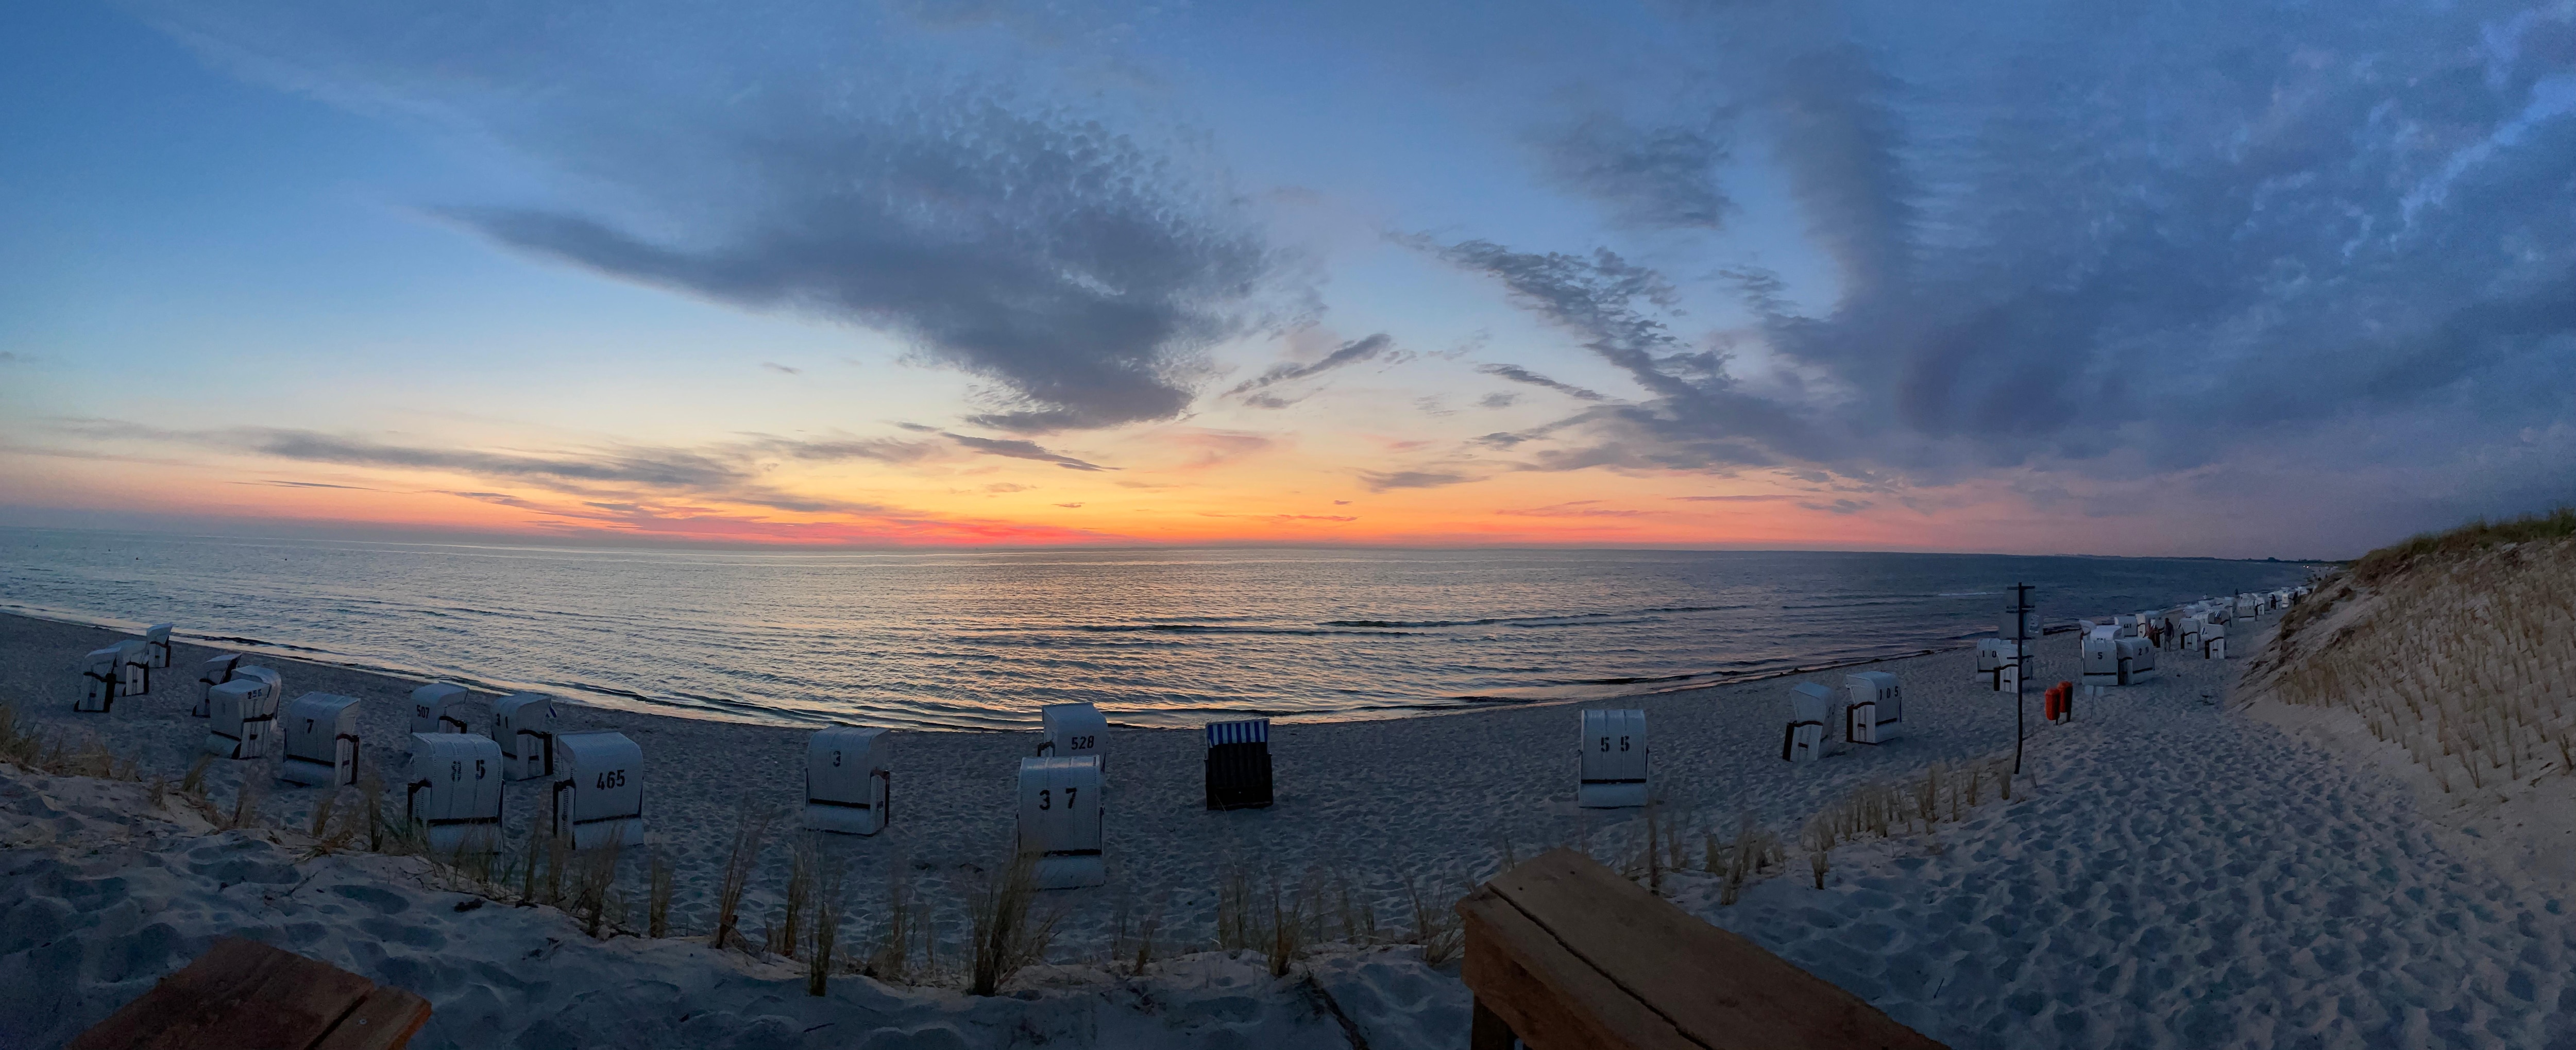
x,y
2168,873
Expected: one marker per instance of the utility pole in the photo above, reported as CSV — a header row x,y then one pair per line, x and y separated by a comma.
x,y
2022,630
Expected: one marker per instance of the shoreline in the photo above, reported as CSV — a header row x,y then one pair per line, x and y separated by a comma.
x,y
639,703
1441,795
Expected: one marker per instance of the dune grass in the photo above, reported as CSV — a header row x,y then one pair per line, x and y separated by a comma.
x,y
2462,653
2478,535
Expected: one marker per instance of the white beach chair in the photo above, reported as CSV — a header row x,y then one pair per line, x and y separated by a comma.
x,y
524,725
1804,739
1876,712
216,671
156,644
599,789
2137,661
102,680
134,668
2099,659
849,782
454,792
440,708
321,741
1060,808
1075,731
242,715
1615,760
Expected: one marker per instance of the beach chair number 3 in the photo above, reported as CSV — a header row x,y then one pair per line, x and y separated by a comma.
x,y
836,760
1605,743
610,779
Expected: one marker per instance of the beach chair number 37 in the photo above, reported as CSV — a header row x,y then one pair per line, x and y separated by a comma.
x,y
455,770
1046,797
1605,743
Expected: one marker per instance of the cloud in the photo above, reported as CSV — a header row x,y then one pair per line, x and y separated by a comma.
x,y
1350,353
1582,508
1069,505
1498,400
1732,499
308,485
1279,518
824,160
1651,177
1341,503
1840,506
1517,374
1411,479
1007,486
10,358
776,367
1013,448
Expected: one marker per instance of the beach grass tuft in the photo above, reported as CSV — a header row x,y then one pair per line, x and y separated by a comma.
x,y
1007,937
751,826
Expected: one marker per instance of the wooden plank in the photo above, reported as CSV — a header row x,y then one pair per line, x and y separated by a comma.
x,y
385,1020
1718,989
240,995
1549,997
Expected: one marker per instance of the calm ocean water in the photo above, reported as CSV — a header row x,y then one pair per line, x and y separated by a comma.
x,y
1155,637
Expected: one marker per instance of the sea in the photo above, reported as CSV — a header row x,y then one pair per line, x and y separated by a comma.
x,y
981,639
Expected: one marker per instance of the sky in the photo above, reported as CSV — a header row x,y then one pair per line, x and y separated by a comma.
x,y
2236,279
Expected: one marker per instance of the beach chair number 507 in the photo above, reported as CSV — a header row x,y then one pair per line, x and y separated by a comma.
x,y
455,770
610,779
1046,797
1605,743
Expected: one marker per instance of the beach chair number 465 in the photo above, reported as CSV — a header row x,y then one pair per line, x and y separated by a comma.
x,y
1605,743
614,778
456,770
1046,797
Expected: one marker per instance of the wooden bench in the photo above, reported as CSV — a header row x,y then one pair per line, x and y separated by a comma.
x,y
1566,955
244,995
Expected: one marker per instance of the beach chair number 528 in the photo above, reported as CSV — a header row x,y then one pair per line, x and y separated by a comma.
x,y
1605,743
455,770
610,779
1079,743
1046,797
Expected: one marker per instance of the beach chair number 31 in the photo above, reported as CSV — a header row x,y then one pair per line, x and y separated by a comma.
x,y
1605,743
455,770
1046,797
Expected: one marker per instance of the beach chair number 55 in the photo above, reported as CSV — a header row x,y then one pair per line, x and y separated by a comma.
x,y
1605,743
455,770
611,779
1046,797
